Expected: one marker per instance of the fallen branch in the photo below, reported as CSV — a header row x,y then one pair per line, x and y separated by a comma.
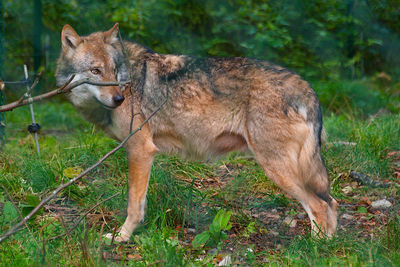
x,y
68,231
345,143
68,86
63,186
364,179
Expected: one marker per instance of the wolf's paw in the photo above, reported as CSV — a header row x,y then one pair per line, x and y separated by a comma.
x,y
118,237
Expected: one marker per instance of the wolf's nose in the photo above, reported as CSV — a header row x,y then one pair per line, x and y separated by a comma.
x,y
118,99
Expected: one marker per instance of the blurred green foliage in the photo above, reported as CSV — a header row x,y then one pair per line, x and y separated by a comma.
x,y
334,44
317,38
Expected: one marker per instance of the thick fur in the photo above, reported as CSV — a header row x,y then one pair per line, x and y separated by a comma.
x,y
215,105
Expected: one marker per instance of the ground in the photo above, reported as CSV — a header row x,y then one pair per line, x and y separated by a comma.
x,y
267,226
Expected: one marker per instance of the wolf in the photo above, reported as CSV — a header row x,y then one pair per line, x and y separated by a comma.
x,y
213,106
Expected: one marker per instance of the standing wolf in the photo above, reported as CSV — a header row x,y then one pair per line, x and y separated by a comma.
x,y
215,105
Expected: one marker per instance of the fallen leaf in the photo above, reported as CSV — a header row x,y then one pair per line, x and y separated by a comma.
x,y
365,200
72,172
370,223
347,190
393,154
134,256
226,261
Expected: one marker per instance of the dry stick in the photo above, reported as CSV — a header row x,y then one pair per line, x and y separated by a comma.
x,y
68,86
20,101
113,234
35,83
68,231
19,213
61,187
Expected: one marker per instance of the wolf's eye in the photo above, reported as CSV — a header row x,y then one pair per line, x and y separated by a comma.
x,y
95,71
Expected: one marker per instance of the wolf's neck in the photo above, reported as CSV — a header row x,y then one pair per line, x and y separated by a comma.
x,y
96,114
137,51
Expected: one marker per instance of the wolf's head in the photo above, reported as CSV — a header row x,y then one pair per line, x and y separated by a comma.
x,y
97,57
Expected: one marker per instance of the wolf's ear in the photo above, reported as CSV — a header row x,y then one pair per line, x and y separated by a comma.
x,y
111,35
70,39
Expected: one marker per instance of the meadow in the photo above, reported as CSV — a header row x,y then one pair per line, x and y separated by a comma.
x,y
203,213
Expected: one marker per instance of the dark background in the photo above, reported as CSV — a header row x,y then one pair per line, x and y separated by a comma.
x,y
323,40
318,38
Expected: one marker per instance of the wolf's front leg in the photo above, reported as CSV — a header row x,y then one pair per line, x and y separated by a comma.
x,y
140,161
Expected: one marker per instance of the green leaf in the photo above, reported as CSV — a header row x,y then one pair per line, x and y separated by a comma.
x,y
362,210
225,220
200,239
216,224
251,228
213,228
72,172
32,200
221,220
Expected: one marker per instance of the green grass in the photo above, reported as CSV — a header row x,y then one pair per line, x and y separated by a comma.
x,y
183,196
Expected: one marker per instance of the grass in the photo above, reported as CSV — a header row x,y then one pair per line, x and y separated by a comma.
x,y
184,197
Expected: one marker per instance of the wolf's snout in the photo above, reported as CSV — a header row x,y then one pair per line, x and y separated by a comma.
x,y
118,99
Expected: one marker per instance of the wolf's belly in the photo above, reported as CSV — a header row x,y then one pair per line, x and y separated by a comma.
x,y
200,147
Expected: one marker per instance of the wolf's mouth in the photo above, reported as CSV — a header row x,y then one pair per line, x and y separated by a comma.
x,y
104,105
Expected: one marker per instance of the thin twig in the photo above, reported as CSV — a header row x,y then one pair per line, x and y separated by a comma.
x,y
68,231
35,83
63,186
130,77
68,86
114,234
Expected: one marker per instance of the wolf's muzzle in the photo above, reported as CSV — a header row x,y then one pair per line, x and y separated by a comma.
x,y
118,99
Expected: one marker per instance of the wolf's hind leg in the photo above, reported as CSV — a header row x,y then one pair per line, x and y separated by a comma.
x,y
296,166
320,212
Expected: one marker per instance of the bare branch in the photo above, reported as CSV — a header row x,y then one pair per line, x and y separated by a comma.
x,y
31,88
68,86
63,186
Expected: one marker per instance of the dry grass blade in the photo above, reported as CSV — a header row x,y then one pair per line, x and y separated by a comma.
x,y
68,231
